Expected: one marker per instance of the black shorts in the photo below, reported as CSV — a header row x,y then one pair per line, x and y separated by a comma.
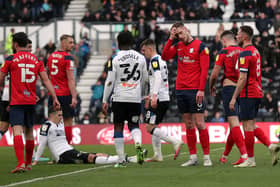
x,y
65,101
126,111
249,108
4,114
227,94
73,157
155,116
186,101
22,115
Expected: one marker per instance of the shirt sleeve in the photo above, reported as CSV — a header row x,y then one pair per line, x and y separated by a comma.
x,y
43,140
6,65
69,62
244,61
157,75
110,81
41,68
169,51
220,57
204,65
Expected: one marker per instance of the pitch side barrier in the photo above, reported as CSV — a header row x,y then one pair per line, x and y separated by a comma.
x,y
103,134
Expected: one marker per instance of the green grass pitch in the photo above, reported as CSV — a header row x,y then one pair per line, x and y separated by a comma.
x,y
167,173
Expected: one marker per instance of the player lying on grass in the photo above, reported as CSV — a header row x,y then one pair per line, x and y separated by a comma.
x,y
52,134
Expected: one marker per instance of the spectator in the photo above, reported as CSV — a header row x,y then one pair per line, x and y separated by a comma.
x,y
276,21
160,17
86,119
204,11
246,16
269,103
25,16
13,9
171,15
87,17
235,15
216,12
234,28
46,11
217,118
263,23
96,98
9,41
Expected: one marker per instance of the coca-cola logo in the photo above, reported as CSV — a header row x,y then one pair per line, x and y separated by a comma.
x,y
106,135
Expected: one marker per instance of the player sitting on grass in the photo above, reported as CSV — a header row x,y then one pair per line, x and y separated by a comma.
x,y
52,134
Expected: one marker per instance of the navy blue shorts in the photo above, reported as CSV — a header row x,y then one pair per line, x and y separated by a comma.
x,y
186,101
155,116
227,94
4,114
126,111
249,108
65,101
22,115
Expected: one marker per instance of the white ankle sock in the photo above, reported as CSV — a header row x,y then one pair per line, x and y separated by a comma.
x,y
136,136
119,145
156,145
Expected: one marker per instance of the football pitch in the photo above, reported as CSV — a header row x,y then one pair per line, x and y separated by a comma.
x,y
166,173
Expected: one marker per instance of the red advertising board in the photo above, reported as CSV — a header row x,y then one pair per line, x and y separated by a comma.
x,y
103,134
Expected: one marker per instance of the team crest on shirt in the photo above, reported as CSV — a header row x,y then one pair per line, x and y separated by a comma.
x,y
155,64
242,60
206,51
191,50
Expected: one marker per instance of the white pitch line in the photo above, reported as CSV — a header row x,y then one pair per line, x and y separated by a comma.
x,y
79,171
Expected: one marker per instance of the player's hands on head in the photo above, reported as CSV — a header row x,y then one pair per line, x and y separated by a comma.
x,y
104,108
173,33
199,97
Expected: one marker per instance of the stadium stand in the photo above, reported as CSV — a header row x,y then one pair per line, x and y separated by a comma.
x,y
145,17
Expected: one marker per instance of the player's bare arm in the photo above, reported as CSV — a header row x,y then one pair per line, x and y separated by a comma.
x,y
72,88
213,79
240,85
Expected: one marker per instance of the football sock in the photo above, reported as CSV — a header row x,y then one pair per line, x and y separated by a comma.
x,y
262,137
204,140
162,135
19,149
239,140
229,144
68,133
29,147
119,145
137,136
156,145
106,159
249,142
191,139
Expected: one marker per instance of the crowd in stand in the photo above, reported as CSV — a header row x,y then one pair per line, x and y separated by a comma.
x,y
146,14
31,11
265,13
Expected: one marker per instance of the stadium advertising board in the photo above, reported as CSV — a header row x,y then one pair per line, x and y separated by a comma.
x,y
103,134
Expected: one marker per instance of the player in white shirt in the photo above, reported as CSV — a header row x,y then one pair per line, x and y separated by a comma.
x,y
52,134
126,75
158,100
5,101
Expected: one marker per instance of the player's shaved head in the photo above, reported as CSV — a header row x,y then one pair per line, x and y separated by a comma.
x,y
178,24
228,35
64,37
